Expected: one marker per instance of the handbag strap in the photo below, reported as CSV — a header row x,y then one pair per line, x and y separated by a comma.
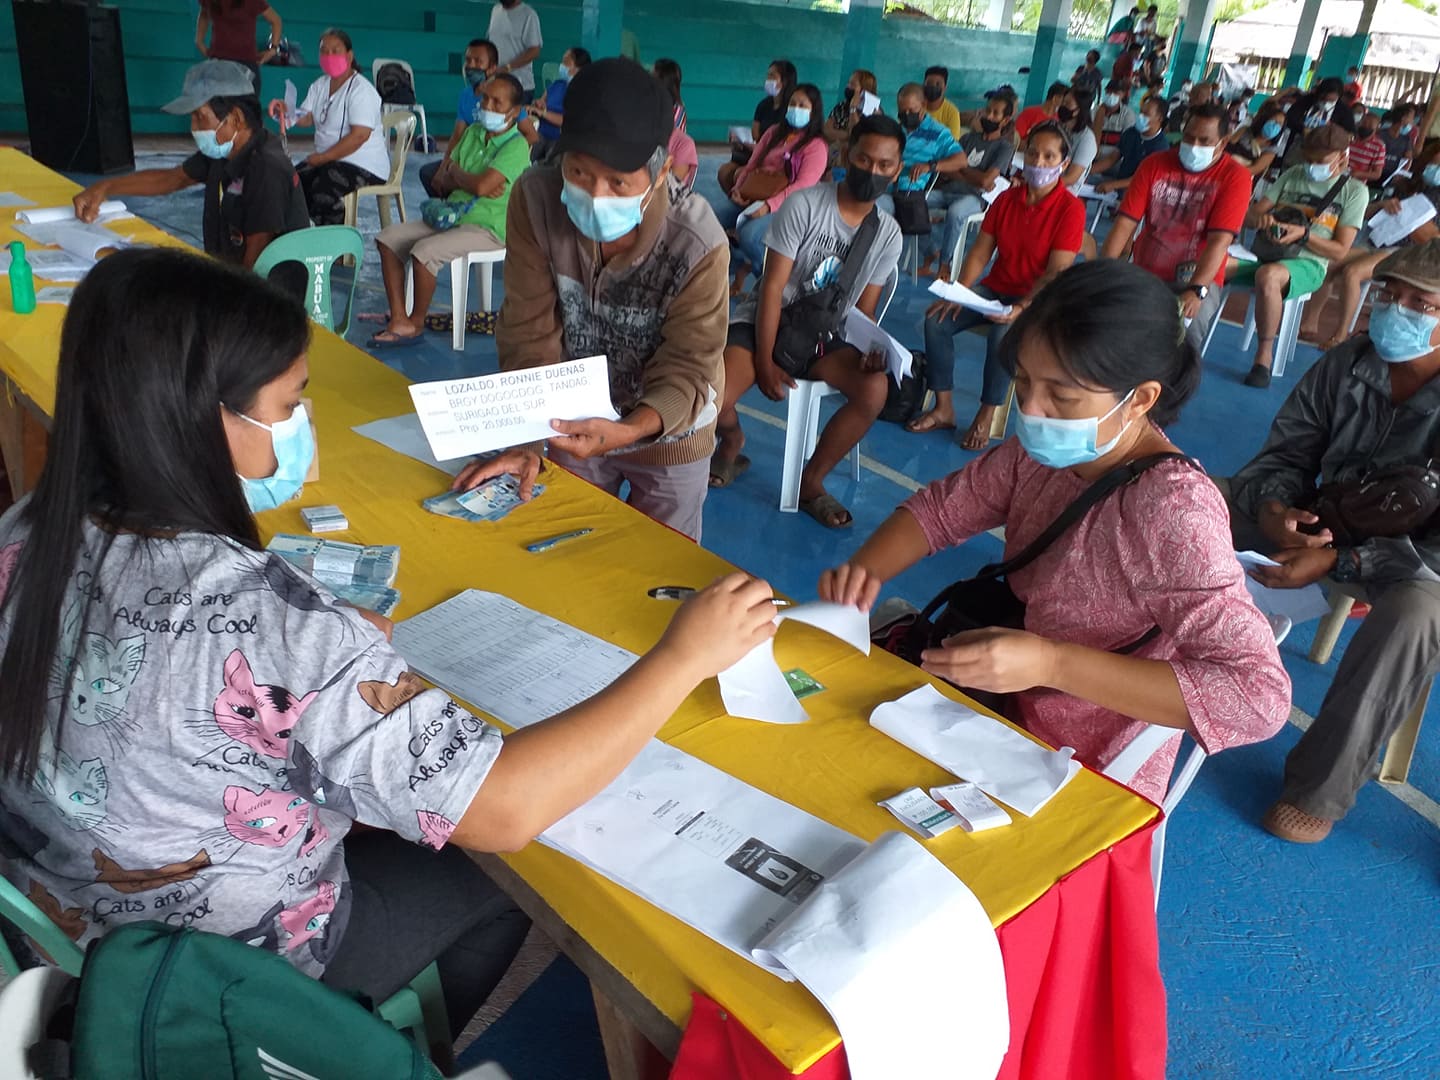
x,y
859,250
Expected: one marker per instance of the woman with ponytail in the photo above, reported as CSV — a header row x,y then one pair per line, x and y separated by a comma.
x,y
1135,615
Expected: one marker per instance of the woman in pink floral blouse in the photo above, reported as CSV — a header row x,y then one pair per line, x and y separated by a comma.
x,y
1099,362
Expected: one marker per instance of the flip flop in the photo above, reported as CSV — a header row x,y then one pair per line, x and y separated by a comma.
x,y
397,342
929,424
825,509
723,473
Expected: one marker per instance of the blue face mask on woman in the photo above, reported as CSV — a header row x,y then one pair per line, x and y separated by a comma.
x,y
1061,444
1400,334
797,117
294,451
602,218
1432,175
1271,129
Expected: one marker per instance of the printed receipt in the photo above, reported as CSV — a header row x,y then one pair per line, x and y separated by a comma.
x,y
492,412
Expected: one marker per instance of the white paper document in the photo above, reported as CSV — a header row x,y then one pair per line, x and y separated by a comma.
x,y
54,294
10,199
490,412
1241,252
1000,185
741,134
754,687
871,943
110,210
996,758
1387,229
52,265
866,335
868,103
1086,190
515,663
75,237
968,298
1299,605
404,435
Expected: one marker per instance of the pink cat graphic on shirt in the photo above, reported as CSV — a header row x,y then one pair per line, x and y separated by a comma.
x,y
9,556
434,829
309,918
257,715
265,818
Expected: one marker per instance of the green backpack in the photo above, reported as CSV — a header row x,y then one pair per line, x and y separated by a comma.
x,y
158,1002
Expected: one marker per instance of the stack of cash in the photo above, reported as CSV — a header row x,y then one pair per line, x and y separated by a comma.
x,y
490,501
336,563
319,519
379,600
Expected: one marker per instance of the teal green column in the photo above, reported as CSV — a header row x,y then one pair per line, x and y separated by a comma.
x,y
1341,54
1050,38
1304,45
863,23
601,25
1189,59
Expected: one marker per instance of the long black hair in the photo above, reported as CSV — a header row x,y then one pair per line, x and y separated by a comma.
x,y
788,77
1112,326
669,74
155,343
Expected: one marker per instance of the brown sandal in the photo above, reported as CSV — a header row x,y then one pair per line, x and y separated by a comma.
x,y
1293,824
828,511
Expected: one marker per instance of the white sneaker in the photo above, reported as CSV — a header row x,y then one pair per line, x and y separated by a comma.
x,y
1280,626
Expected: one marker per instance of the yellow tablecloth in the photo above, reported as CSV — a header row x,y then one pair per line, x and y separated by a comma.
x,y
835,767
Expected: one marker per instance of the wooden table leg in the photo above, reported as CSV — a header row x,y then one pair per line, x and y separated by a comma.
x,y
628,1054
23,441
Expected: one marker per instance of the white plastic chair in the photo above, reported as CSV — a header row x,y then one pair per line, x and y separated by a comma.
x,y
399,136
460,289
802,419
417,108
963,240
27,1003
1287,336
1364,293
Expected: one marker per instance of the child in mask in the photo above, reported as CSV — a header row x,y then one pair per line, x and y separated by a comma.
x,y
1138,614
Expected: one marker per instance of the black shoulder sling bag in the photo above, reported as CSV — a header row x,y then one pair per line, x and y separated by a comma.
x,y
809,323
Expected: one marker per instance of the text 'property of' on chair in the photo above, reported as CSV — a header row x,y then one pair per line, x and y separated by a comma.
x,y
399,137
317,248
460,289
417,108
802,418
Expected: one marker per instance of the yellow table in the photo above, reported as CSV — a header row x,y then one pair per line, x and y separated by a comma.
x,y
834,767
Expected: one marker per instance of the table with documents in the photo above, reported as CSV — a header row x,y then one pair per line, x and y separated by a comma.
x,y
1068,890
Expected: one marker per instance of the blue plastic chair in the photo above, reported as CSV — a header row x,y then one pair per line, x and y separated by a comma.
x,y
317,249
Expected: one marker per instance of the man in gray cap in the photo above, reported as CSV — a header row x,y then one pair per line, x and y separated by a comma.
x,y
602,258
1368,408
252,194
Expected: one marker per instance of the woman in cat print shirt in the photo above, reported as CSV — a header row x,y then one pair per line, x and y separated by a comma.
x,y
192,725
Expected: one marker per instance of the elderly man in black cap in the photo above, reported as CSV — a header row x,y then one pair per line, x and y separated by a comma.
x,y
1363,425
602,257
252,194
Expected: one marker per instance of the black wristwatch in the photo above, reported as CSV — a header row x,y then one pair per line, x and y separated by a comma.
x,y
1347,566
1202,291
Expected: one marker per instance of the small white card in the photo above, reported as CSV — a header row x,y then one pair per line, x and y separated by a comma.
x,y
972,806
919,813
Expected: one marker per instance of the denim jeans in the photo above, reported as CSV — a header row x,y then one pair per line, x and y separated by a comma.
x,y
752,233
940,350
960,208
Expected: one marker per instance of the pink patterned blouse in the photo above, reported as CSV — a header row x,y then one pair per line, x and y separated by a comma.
x,y
1155,553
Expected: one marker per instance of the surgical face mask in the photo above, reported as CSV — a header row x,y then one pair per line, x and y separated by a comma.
x,y
1196,158
1319,171
933,92
1432,175
1065,113
1062,444
910,120
475,77
1400,334
294,451
602,218
797,117
1039,176
988,126
1406,128
865,185
1271,129
1142,123
565,74
772,87
209,145
334,64
493,121
1111,100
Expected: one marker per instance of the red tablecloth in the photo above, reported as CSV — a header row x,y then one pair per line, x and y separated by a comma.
x,y
1082,972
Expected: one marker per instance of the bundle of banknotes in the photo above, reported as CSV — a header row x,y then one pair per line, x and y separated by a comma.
x,y
334,562
490,501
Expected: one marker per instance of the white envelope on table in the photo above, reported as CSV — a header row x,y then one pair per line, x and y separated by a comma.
x,y
754,687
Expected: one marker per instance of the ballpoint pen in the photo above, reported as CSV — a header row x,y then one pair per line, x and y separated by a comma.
x,y
546,545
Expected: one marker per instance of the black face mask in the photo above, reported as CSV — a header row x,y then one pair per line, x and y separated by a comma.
x,y
933,92
988,126
1065,113
851,93
910,120
864,185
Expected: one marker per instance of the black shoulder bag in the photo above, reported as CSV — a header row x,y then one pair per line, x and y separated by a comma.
x,y
987,599
810,323
1266,248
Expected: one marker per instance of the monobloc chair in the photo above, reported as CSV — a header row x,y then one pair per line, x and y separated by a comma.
x,y
802,419
417,108
460,289
1127,763
317,249
399,136
1287,336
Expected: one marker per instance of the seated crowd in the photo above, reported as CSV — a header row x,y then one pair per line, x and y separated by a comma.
x,y
588,191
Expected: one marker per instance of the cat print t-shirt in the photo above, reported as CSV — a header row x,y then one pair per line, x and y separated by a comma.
x,y
224,723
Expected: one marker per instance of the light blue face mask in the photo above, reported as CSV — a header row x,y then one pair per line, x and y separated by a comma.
x,y
1319,171
493,121
797,118
1432,175
210,146
603,218
1405,129
1400,334
1062,444
1271,129
294,451
1196,158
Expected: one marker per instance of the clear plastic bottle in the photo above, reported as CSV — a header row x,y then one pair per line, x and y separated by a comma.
x,y
22,280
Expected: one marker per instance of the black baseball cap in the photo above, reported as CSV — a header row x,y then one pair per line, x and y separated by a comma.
x,y
618,112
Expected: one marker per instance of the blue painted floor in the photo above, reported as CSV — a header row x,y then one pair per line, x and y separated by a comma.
x,y
1284,961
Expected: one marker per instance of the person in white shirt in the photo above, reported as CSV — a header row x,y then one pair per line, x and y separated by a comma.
x,y
350,150
515,30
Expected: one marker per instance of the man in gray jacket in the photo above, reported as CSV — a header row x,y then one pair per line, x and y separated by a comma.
x,y
1368,405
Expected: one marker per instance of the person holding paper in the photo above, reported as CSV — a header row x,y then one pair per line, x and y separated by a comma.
x,y
988,153
1397,129
1332,205
847,111
781,79
1136,615
1365,409
252,194
479,176
1034,231
215,719
603,259
480,61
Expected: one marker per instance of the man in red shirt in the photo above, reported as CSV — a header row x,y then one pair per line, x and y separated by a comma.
x,y
1046,110
1193,201
1123,70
